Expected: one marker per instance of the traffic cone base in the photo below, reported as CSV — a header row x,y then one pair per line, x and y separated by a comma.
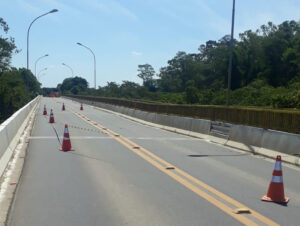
x,y
276,189
268,199
62,149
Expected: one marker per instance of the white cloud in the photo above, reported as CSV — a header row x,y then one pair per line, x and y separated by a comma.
x,y
111,7
61,6
135,53
29,8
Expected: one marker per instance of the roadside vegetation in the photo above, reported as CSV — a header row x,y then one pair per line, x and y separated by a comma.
x,y
266,73
17,86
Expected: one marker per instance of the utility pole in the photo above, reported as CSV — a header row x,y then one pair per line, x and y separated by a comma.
x,y
230,56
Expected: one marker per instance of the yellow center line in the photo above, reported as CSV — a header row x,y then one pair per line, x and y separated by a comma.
x,y
185,179
207,187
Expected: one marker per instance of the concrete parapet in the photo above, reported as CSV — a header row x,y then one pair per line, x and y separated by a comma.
x,y
143,115
112,107
247,135
123,110
170,120
116,108
183,123
280,141
161,119
200,126
130,112
9,132
11,127
150,117
135,113
119,109
139,114
3,140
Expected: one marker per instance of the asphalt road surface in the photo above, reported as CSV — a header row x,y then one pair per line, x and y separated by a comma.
x,y
126,173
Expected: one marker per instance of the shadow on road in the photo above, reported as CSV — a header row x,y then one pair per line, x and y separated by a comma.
x,y
199,156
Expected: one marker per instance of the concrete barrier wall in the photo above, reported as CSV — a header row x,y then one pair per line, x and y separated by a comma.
x,y
280,141
3,140
182,122
161,119
8,131
10,127
150,117
200,126
247,135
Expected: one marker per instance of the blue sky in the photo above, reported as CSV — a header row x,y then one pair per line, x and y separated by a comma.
x,y
126,33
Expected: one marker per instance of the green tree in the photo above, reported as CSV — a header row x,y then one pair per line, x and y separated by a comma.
x,y
14,92
249,56
74,85
129,89
112,89
265,72
7,47
191,92
17,86
178,71
146,72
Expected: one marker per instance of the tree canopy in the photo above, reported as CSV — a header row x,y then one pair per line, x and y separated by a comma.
x,y
266,71
73,85
7,47
17,86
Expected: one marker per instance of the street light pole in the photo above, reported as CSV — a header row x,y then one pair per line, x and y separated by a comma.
x,y
230,56
52,11
69,68
78,43
36,63
40,73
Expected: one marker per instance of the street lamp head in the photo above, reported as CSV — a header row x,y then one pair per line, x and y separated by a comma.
x,y
78,43
46,55
53,11
63,64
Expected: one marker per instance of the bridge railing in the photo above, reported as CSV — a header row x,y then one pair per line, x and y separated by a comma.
x,y
281,120
11,128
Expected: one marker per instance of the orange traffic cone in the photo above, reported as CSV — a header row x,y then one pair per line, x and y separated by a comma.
x,y
66,145
51,120
63,107
81,107
45,110
276,190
